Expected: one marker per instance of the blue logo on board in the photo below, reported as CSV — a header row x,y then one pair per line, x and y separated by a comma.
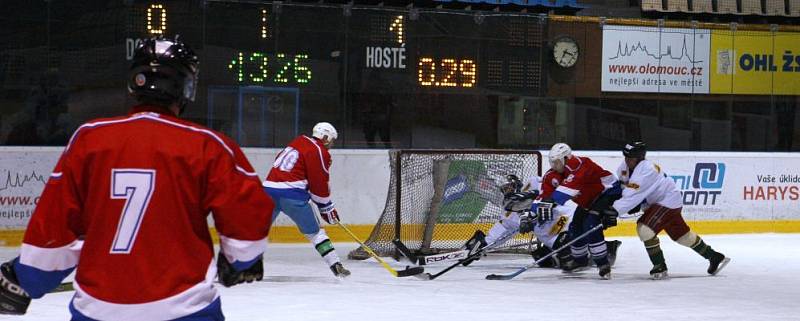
x,y
703,187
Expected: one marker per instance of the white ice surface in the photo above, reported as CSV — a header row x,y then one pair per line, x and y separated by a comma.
x,y
761,283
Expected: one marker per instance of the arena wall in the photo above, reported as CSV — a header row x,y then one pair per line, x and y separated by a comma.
x,y
724,192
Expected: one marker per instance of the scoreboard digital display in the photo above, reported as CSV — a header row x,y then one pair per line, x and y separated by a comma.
x,y
270,70
322,46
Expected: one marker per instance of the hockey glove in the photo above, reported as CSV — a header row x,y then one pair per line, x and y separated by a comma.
x,y
527,221
228,276
545,210
13,299
608,217
328,213
331,217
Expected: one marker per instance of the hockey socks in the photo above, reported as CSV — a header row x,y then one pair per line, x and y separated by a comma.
x,y
324,246
703,249
716,260
599,251
653,247
659,270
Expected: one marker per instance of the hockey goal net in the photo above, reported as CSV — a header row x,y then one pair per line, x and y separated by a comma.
x,y
437,199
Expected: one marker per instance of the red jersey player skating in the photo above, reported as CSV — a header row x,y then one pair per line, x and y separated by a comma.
x,y
300,173
129,199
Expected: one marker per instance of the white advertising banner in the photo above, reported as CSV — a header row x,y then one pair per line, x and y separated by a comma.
x,y
714,185
23,173
655,60
727,186
359,182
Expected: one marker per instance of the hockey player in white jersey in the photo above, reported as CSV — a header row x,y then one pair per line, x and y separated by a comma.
x,y
647,186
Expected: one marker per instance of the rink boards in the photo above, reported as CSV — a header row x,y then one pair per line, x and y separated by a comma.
x,y
723,192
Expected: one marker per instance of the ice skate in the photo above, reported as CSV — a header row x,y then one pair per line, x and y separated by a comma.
x,y
717,263
573,266
659,272
605,272
339,271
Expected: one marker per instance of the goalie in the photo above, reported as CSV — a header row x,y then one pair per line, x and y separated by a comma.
x,y
550,233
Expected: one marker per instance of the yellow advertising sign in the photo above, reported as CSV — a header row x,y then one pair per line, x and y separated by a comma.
x,y
755,63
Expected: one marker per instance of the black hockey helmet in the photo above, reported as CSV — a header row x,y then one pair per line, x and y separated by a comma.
x,y
163,71
635,150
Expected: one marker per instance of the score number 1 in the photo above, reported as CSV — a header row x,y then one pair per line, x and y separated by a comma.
x,y
450,72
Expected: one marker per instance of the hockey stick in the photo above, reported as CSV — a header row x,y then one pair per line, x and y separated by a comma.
x,y
540,260
477,254
409,271
63,287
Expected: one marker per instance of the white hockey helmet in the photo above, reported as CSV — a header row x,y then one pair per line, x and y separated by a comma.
x,y
558,153
325,129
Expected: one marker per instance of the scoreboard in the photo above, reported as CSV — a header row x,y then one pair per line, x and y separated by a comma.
x,y
269,70
324,47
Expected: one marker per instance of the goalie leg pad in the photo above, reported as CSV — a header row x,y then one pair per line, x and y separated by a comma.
x,y
500,229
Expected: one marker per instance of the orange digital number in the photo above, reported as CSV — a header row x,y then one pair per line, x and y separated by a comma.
x,y
468,73
426,73
156,13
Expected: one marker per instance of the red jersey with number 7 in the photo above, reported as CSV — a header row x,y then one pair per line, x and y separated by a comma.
x,y
302,171
129,200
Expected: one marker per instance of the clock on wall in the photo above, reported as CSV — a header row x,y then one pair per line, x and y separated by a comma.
x,y
566,51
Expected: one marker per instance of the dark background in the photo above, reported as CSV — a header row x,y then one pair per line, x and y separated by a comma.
x,y
63,63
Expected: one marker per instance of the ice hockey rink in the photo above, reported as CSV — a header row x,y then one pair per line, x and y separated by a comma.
x,y
760,283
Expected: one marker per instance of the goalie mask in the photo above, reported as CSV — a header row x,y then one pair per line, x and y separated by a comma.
x,y
513,185
514,199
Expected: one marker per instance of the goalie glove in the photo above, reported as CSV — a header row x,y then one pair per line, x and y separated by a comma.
x,y
544,210
328,213
516,202
527,221
13,299
229,276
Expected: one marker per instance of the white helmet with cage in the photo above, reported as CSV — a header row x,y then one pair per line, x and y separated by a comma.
x,y
325,129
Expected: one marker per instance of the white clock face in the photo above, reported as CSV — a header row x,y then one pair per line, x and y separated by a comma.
x,y
565,52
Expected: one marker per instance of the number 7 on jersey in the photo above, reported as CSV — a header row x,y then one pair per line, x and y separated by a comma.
x,y
135,186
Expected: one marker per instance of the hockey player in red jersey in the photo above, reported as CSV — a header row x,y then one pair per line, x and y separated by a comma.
x,y
300,173
129,200
592,189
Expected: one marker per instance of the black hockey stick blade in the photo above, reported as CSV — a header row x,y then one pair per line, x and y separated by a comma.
x,y
504,276
405,251
535,263
410,271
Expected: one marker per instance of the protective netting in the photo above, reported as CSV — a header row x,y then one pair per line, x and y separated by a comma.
x,y
438,198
